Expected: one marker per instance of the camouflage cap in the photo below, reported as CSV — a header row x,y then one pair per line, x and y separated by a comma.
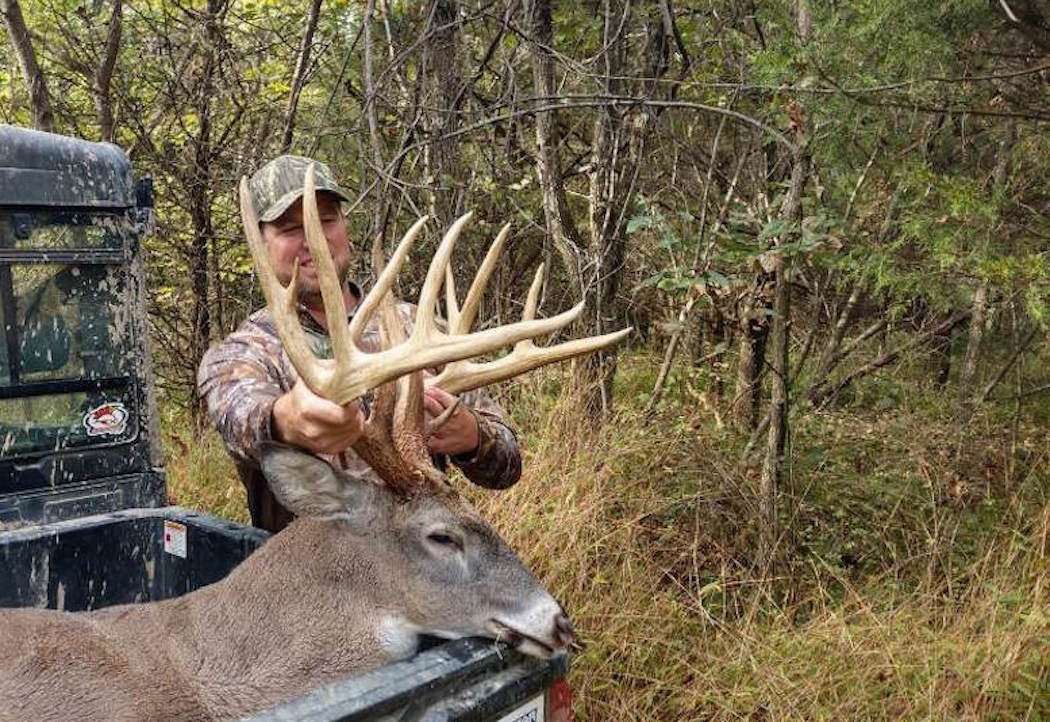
x,y
279,183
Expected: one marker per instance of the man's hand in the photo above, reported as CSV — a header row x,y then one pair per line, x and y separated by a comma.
x,y
459,433
304,419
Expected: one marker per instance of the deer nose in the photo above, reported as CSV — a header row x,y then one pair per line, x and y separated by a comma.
x,y
563,632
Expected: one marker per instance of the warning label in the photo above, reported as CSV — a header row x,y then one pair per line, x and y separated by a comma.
x,y
175,538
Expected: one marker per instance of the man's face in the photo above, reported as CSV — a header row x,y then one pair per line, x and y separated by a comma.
x,y
286,240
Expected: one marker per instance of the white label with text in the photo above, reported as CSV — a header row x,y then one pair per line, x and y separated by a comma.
x,y
175,538
531,711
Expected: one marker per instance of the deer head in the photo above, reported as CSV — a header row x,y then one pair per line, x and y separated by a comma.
x,y
453,575
439,568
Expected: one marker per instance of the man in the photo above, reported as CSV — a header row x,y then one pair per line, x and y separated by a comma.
x,y
253,394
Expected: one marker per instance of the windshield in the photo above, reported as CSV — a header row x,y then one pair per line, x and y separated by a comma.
x,y
65,354
53,230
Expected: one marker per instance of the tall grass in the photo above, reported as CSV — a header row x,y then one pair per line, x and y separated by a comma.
x,y
912,583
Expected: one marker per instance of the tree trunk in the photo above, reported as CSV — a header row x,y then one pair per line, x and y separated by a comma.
x,y
968,371
773,463
594,373
838,332
444,78
104,76
561,227
302,65
716,327
669,353
200,194
39,98
790,212
618,146
751,355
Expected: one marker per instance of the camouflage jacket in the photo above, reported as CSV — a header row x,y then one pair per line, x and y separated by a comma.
x,y
241,378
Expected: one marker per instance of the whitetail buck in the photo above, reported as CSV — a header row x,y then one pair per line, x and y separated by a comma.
x,y
360,574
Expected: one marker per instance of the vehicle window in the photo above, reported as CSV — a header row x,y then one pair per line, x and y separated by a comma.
x,y
71,321
5,377
55,422
65,230
66,371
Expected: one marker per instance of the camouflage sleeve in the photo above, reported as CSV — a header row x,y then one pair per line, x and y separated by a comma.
x,y
239,386
497,462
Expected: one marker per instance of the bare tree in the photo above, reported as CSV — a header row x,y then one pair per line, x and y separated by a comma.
x,y
968,370
302,66
39,98
561,226
104,75
445,81
619,142
772,465
790,216
199,182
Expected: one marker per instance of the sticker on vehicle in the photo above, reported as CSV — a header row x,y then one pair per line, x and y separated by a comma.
x,y
531,711
109,419
175,538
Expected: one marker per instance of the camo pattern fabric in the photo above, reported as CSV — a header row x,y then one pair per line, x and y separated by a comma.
x,y
241,379
279,184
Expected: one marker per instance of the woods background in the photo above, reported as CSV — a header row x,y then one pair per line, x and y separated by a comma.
x,y
813,484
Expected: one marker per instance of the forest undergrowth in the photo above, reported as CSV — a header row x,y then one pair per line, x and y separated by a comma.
x,y
912,573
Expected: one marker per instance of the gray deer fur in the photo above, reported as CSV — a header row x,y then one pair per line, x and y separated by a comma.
x,y
348,586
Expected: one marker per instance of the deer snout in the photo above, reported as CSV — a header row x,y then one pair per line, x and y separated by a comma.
x,y
564,636
539,628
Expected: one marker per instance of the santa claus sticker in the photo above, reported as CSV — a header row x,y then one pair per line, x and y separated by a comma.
x,y
109,419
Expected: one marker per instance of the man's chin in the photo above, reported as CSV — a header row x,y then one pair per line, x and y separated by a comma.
x,y
309,291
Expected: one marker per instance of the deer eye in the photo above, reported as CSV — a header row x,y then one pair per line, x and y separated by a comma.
x,y
445,540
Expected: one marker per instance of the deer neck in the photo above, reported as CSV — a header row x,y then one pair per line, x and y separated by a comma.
x,y
296,611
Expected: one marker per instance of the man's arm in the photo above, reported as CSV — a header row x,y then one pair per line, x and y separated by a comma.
x,y
247,403
239,386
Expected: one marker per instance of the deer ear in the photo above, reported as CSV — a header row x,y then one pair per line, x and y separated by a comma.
x,y
305,484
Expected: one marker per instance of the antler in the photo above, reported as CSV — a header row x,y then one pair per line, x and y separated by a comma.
x,y
353,371
465,375
394,439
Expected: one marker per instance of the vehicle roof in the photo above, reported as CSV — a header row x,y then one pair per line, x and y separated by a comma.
x,y
44,169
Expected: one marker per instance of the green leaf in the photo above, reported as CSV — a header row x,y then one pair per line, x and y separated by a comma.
x,y
639,223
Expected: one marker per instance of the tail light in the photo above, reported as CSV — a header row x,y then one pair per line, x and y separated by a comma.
x,y
559,701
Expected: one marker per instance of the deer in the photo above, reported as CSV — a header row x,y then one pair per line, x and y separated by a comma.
x,y
364,571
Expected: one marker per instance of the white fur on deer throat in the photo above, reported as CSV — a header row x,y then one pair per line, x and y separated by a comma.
x,y
397,636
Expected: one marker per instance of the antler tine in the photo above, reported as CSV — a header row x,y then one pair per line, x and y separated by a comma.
x,y
384,282
327,278
283,301
425,325
481,280
466,375
532,300
451,304
472,376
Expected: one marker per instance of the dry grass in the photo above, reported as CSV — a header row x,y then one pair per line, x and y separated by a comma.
x,y
939,611
202,476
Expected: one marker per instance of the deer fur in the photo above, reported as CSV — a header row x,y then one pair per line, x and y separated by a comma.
x,y
348,586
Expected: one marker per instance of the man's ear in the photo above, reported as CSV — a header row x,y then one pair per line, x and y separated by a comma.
x,y
306,485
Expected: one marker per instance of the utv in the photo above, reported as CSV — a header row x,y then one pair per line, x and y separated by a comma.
x,y
83,520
